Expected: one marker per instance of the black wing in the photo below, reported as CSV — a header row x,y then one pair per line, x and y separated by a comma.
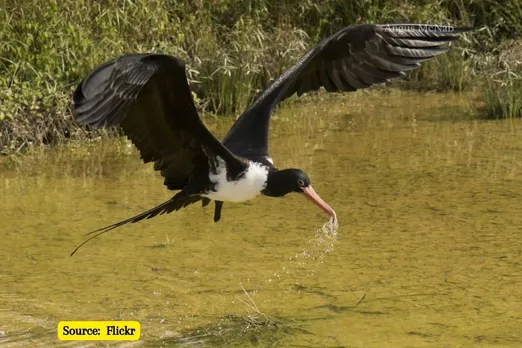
x,y
353,58
148,95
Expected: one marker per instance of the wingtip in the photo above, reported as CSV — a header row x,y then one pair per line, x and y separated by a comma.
x,y
77,96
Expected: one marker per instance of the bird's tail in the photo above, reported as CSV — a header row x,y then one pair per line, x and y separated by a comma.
x,y
180,200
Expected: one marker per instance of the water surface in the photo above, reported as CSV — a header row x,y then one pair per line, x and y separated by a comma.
x,y
428,252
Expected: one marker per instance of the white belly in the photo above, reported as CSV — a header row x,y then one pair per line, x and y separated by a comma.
x,y
248,187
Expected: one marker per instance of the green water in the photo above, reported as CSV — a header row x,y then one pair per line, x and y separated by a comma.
x,y
428,252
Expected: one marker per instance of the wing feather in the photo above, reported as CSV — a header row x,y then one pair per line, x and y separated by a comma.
x,y
149,97
353,58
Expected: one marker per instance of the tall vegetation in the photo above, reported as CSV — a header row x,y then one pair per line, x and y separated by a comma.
x,y
233,48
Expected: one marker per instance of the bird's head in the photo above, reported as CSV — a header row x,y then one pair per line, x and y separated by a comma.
x,y
282,182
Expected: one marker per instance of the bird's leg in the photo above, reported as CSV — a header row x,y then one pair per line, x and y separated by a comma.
x,y
217,211
205,202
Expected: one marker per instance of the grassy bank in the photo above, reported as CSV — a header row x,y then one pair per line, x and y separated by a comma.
x,y
232,50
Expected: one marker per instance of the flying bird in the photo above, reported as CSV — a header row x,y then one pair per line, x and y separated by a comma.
x,y
148,96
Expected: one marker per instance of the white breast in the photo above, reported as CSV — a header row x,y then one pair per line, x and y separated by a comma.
x,y
249,186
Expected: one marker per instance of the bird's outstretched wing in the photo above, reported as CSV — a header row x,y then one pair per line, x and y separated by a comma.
x,y
149,97
353,58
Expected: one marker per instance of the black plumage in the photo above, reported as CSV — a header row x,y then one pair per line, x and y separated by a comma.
x,y
353,58
149,97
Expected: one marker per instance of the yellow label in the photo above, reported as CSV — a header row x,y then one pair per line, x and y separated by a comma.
x,y
99,330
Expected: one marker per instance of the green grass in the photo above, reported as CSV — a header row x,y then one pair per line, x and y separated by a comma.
x,y
232,49
500,81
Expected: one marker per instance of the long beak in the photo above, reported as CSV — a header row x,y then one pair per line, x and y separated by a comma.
x,y
310,193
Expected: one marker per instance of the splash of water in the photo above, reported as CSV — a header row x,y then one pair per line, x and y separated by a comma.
x,y
330,228
323,242
308,259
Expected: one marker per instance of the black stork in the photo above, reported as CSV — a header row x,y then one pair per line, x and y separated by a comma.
x,y
149,97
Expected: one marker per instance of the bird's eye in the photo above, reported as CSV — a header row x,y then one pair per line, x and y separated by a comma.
x,y
300,182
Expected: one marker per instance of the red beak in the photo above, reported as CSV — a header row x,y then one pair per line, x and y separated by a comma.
x,y
310,193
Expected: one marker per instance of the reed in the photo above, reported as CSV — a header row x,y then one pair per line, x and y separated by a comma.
x,y
500,81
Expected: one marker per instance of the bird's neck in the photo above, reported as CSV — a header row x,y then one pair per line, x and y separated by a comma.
x,y
274,184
